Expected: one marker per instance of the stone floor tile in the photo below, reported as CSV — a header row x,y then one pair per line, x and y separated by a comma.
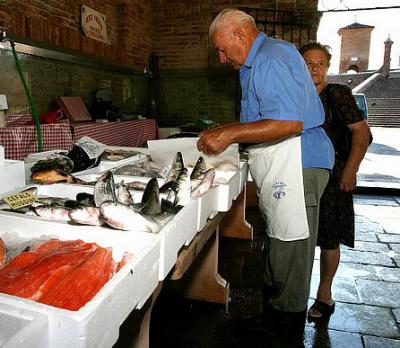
x,y
371,246
315,338
389,238
379,293
368,226
364,319
380,342
343,289
366,236
366,257
355,271
388,217
388,274
396,313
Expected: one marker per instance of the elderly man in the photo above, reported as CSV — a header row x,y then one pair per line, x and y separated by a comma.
x,y
289,158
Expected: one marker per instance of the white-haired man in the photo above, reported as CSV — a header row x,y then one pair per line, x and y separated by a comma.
x,y
289,158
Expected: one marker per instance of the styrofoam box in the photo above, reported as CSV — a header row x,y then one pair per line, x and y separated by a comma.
x,y
178,231
22,328
228,189
97,323
207,206
12,175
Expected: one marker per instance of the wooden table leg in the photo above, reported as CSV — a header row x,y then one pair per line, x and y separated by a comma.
x,y
202,280
142,340
251,195
234,224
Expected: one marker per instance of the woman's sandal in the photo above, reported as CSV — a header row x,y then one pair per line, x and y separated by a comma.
x,y
325,310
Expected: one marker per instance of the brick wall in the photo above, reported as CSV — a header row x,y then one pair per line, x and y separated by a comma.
x,y
57,22
193,84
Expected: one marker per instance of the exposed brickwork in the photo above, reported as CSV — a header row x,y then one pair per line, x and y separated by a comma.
x,y
57,22
355,43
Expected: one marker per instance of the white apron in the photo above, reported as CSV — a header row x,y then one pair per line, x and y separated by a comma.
x,y
276,169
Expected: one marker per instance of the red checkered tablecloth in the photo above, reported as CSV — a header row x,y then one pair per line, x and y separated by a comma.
x,y
125,133
20,139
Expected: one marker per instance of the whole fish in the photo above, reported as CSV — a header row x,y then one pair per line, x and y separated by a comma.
x,y
123,217
86,216
136,185
52,212
85,198
205,183
104,189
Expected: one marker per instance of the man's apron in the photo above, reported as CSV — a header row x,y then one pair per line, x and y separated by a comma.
x,y
276,169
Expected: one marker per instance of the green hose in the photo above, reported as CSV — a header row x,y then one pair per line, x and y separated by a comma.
x,y
28,95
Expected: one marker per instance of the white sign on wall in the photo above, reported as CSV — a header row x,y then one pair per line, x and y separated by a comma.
x,y
94,24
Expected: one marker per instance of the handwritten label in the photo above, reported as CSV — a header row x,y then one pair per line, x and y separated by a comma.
x,y
19,200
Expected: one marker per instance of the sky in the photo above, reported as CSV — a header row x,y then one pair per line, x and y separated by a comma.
x,y
386,22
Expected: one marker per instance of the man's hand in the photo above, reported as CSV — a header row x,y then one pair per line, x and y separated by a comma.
x,y
214,141
348,180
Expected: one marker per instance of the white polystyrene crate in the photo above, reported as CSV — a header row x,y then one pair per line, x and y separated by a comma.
x,y
12,175
228,189
22,328
172,236
207,206
97,323
37,156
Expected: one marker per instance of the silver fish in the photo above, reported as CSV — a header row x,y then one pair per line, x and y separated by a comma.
x,y
151,198
198,173
86,216
123,194
136,185
147,169
176,167
123,217
52,212
205,183
183,188
104,189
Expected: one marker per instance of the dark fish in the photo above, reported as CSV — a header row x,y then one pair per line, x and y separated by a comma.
x,y
198,173
85,198
150,203
176,167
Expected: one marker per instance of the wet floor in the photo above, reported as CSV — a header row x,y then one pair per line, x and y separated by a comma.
x,y
366,290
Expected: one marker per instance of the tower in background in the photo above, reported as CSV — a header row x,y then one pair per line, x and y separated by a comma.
x,y
354,48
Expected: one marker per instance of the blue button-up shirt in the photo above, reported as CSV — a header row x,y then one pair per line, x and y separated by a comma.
x,y
276,85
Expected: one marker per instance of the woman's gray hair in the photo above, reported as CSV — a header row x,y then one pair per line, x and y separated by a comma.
x,y
229,17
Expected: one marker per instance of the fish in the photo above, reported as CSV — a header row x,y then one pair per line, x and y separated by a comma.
x,y
147,169
123,194
182,188
136,185
176,168
123,217
2,253
85,198
104,189
197,173
86,215
55,212
151,203
205,184
53,176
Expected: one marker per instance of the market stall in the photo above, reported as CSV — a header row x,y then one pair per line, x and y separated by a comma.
x,y
184,249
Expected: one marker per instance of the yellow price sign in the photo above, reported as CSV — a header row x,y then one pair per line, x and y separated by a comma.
x,y
19,200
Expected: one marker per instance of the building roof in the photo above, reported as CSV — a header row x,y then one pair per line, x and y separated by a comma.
x,y
356,25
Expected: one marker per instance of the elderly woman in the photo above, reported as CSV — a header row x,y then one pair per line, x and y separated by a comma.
x,y
336,225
